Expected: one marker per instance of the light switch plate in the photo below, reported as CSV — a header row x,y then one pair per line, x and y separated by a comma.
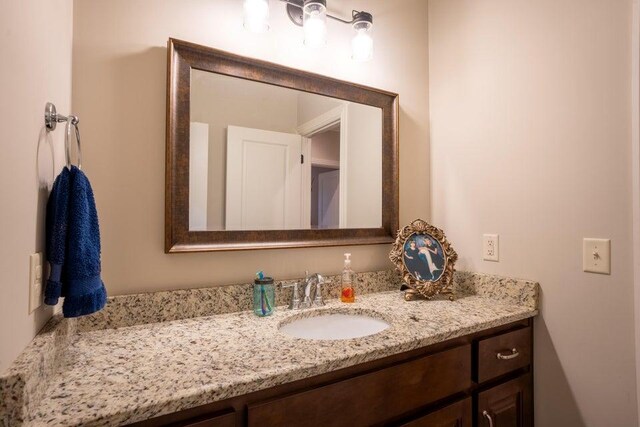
x,y
596,256
35,281
490,247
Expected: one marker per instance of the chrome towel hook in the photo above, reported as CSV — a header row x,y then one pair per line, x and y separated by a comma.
x,y
51,120
72,123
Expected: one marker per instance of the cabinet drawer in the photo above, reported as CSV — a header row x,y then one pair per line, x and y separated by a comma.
x,y
455,415
503,353
374,397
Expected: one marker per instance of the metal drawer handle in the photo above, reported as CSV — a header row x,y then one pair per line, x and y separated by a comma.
x,y
513,355
487,416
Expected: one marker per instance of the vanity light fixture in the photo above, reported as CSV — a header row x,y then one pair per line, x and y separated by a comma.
x,y
312,16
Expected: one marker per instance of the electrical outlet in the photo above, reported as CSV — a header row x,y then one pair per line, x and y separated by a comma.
x,y
596,256
490,247
35,281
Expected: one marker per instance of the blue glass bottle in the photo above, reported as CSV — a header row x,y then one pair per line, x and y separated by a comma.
x,y
264,296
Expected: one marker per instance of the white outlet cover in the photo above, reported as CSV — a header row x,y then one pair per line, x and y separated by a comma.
x,y
35,281
596,256
491,247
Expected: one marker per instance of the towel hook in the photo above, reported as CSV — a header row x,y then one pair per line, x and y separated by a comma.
x,y
51,120
72,123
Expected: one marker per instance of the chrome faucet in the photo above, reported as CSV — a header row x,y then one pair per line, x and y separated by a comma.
x,y
314,298
312,295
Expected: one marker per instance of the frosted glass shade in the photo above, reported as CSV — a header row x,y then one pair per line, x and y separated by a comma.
x,y
315,24
362,46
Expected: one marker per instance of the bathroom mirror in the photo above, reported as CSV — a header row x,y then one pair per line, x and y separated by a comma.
x,y
264,156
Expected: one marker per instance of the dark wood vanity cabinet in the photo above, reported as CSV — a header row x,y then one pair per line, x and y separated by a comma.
x,y
483,379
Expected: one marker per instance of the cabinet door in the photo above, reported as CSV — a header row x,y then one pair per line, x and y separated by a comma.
x,y
454,415
507,405
372,398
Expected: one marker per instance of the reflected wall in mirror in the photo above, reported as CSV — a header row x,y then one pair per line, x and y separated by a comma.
x,y
264,157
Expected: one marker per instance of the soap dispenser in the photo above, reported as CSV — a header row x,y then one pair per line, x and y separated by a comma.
x,y
347,294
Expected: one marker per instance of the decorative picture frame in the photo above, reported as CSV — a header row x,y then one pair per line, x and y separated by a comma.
x,y
426,260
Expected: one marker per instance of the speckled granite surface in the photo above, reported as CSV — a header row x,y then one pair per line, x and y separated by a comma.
x,y
23,385
104,372
129,310
505,289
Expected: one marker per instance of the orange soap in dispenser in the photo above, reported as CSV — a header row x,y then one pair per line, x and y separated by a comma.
x,y
347,294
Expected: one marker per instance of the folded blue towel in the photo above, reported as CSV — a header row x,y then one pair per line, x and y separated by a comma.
x,y
73,246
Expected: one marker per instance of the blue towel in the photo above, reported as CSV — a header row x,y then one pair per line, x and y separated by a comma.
x,y
73,246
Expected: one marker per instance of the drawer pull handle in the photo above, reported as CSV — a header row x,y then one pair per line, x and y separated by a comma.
x,y
488,417
513,355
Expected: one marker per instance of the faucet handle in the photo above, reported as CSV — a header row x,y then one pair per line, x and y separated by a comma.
x,y
295,298
318,301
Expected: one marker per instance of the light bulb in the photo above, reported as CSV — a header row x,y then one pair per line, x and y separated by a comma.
x,y
362,46
362,43
315,24
256,15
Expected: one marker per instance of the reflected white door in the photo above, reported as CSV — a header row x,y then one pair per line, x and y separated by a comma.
x,y
263,180
198,175
329,199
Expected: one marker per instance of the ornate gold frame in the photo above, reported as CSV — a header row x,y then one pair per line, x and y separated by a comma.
x,y
424,289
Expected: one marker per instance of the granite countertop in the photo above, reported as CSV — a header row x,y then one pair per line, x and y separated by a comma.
x,y
107,376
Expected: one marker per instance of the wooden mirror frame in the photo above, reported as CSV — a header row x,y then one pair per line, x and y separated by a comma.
x,y
182,57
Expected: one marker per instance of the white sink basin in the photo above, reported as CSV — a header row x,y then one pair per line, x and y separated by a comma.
x,y
334,326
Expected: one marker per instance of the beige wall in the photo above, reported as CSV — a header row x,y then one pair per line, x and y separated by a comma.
x,y
119,92
35,47
326,146
312,105
530,135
